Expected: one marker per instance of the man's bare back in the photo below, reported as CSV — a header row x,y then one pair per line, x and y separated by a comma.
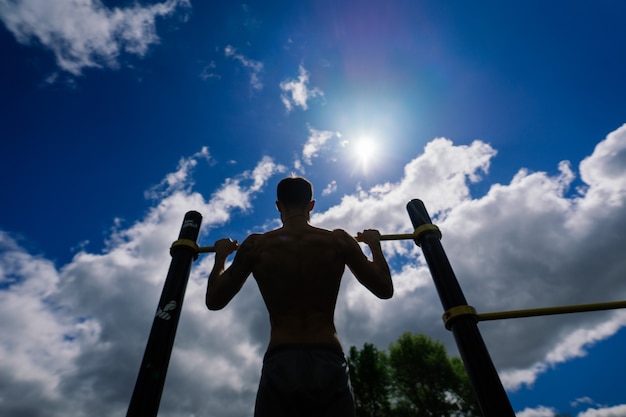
x,y
298,269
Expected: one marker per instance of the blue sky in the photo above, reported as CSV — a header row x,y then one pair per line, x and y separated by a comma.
x,y
117,117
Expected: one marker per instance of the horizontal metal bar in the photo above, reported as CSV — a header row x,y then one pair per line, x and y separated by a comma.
x,y
399,236
547,311
206,249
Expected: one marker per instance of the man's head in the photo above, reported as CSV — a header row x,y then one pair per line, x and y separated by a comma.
x,y
295,193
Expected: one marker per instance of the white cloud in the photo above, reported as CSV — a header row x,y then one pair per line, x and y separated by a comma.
x,y
297,164
315,143
297,92
617,411
232,196
581,400
179,179
255,67
27,293
86,33
603,171
439,177
78,331
209,72
330,188
536,412
574,344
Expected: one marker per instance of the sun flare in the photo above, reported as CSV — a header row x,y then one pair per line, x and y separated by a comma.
x,y
364,149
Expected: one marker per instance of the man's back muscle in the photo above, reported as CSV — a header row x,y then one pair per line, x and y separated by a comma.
x,y
299,272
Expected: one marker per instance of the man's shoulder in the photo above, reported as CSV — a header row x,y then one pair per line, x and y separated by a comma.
x,y
249,242
336,234
253,237
261,238
340,233
256,235
268,237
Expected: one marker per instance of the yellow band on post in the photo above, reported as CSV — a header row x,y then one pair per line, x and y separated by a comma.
x,y
425,228
186,242
456,312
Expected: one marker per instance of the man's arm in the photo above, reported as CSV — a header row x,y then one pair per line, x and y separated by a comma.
x,y
375,274
224,284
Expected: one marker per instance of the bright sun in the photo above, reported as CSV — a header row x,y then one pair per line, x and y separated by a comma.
x,y
364,150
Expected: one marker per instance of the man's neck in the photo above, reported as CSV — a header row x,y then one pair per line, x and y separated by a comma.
x,y
295,220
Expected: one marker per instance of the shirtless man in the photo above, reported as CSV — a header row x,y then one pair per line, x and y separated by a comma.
x,y
298,269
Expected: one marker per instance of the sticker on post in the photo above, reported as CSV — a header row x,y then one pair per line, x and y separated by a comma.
x,y
190,223
164,312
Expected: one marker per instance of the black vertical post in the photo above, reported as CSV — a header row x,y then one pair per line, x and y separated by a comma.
x,y
492,398
149,386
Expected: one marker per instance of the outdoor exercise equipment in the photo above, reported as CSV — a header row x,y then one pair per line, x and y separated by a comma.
x,y
488,388
149,386
398,236
459,317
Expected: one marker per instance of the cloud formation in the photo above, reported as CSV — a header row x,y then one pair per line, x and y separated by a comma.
x,y
78,331
315,143
536,412
330,188
297,92
255,67
181,178
86,34
616,411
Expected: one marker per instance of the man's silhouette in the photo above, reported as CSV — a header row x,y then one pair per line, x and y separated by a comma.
x,y
298,269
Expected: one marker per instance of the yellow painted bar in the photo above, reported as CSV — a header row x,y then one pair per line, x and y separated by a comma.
x,y
514,314
401,236
206,249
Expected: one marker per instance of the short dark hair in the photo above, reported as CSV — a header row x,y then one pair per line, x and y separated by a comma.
x,y
294,191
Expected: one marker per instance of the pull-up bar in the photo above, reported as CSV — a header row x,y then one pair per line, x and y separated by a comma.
x,y
459,317
548,311
398,236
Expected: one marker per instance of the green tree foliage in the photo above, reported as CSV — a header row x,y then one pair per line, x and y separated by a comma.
x,y
424,381
415,379
466,398
369,374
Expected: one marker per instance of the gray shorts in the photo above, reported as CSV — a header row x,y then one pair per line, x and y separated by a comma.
x,y
304,380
